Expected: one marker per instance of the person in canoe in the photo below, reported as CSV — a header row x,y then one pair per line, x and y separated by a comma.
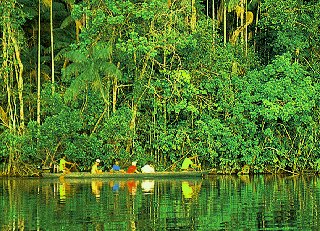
x,y
63,165
94,168
116,167
133,168
148,168
188,165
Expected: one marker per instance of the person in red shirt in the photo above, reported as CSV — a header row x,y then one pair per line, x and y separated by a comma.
x,y
133,168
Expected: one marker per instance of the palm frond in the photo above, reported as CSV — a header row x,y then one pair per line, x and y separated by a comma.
x,y
77,56
110,69
73,69
78,85
102,50
66,22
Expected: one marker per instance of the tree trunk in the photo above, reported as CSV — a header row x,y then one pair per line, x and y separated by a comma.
x,y
39,64
12,70
242,20
5,69
19,77
132,127
213,24
246,31
193,20
52,48
224,23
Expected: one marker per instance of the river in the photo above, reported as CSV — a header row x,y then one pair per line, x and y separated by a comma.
x,y
260,202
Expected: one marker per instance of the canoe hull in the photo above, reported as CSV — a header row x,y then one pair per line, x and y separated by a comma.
x,y
181,174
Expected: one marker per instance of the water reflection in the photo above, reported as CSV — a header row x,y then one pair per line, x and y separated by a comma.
x,y
187,189
218,203
245,178
147,186
64,188
96,186
132,186
115,185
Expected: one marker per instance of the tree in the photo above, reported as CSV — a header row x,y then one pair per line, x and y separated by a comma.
x,y
39,64
49,3
11,73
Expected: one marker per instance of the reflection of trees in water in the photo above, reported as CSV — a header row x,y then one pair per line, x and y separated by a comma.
x,y
18,195
266,201
149,207
220,202
166,208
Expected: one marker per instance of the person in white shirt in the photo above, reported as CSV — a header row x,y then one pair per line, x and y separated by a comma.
x,y
148,168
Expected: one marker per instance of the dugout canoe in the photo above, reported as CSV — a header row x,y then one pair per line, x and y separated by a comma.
x,y
182,174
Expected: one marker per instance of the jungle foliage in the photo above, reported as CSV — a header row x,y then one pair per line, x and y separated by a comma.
x,y
234,82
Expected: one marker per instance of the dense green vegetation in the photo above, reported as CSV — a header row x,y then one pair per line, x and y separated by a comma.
x,y
234,82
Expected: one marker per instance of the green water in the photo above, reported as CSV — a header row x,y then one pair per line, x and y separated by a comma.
x,y
216,203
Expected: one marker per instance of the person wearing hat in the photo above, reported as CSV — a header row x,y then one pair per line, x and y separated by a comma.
x,y
133,168
94,168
